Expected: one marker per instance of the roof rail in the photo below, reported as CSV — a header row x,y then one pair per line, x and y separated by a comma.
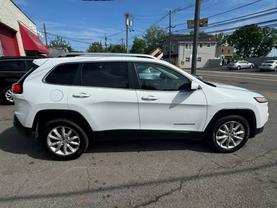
x,y
111,55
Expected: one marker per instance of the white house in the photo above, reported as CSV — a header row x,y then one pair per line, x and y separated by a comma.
x,y
181,50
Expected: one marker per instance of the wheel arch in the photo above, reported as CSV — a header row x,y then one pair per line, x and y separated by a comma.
x,y
248,114
44,116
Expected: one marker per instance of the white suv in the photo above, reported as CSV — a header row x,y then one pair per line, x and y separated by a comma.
x,y
66,101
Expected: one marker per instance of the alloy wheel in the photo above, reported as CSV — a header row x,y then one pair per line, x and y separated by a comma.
x,y
230,134
8,96
63,140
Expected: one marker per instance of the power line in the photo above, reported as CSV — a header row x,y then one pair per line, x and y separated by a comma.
x,y
234,28
236,8
241,18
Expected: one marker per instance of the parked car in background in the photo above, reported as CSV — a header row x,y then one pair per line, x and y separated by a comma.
x,y
11,69
241,64
270,65
66,101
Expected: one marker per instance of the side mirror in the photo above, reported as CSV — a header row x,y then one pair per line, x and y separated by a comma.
x,y
194,86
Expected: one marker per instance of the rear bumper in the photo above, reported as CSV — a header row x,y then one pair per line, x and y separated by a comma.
x,y
24,130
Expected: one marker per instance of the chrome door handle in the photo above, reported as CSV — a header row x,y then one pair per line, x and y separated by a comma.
x,y
149,98
81,95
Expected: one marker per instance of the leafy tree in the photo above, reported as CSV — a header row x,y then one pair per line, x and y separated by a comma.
x,y
60,43
253,41
95,47
117,48
221,39
154,38
139,45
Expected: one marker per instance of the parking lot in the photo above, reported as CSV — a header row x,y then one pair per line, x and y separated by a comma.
x,y
142,172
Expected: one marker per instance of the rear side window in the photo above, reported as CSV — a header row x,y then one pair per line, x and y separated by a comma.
x,y
65,74
12,65
105,74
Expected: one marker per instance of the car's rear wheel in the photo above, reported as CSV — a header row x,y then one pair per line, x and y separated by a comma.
x,y
251,66
229,134
239,67
65,139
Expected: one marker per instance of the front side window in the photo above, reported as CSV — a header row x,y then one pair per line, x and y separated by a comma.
x,y
105,74
65,74
158,77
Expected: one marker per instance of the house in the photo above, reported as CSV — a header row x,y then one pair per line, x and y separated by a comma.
x,y
18,33
181,50
225,51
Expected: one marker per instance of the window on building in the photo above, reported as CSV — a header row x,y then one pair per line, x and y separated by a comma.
x,y
64,74
222,50
208,45
229,51
187,59
106,74
187,46
199,59
201,45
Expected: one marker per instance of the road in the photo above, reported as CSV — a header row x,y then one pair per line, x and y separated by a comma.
x,y
144,173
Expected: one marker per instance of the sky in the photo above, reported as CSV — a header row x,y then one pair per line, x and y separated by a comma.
x,y
82,22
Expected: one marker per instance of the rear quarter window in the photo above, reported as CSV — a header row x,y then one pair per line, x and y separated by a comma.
x,y
65,74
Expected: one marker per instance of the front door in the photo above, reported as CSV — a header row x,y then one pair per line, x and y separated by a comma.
x,y
166,101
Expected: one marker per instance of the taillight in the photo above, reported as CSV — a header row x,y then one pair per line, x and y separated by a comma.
x,y
17,88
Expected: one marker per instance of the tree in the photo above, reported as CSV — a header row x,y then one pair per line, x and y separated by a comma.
x,y
253,41
60,43
95,47
139,46
154,38
221,39
117,48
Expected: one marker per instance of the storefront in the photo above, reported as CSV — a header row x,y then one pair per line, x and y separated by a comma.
x,y
18,34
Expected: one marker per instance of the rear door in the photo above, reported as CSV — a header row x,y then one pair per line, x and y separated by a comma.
x,y
105,96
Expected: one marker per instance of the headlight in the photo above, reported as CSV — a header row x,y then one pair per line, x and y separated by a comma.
x,y
261,99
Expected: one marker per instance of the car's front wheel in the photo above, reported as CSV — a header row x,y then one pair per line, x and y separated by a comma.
x,y
239,67
65,139
229,134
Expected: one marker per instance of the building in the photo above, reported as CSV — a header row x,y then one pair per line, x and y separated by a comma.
x,y
18,33
181,50
225,51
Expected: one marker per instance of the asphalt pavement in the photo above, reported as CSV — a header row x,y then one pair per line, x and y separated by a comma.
x,y
145,173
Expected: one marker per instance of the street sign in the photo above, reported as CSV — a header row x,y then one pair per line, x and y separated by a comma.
x,y
202,23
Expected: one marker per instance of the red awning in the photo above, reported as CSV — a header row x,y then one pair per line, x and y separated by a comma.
x,y
30,40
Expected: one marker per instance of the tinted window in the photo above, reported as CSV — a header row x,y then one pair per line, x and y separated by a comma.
x,y
12,65
157,77
106,74
64,74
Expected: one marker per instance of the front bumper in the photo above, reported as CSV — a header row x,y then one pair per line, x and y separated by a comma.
x,y
24,130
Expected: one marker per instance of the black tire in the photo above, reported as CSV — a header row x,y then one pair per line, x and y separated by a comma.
x,y
84,141
251,66
275,69
217,124
239,67
3,98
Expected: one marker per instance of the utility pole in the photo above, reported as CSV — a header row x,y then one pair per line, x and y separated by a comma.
x,y
169,34
45,34
195,37
127,20
106,39
122,43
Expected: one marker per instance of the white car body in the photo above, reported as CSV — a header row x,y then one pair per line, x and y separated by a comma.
x,y
133,109
269,65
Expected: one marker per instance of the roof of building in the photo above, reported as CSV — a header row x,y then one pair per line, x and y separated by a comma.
x,y
189,38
